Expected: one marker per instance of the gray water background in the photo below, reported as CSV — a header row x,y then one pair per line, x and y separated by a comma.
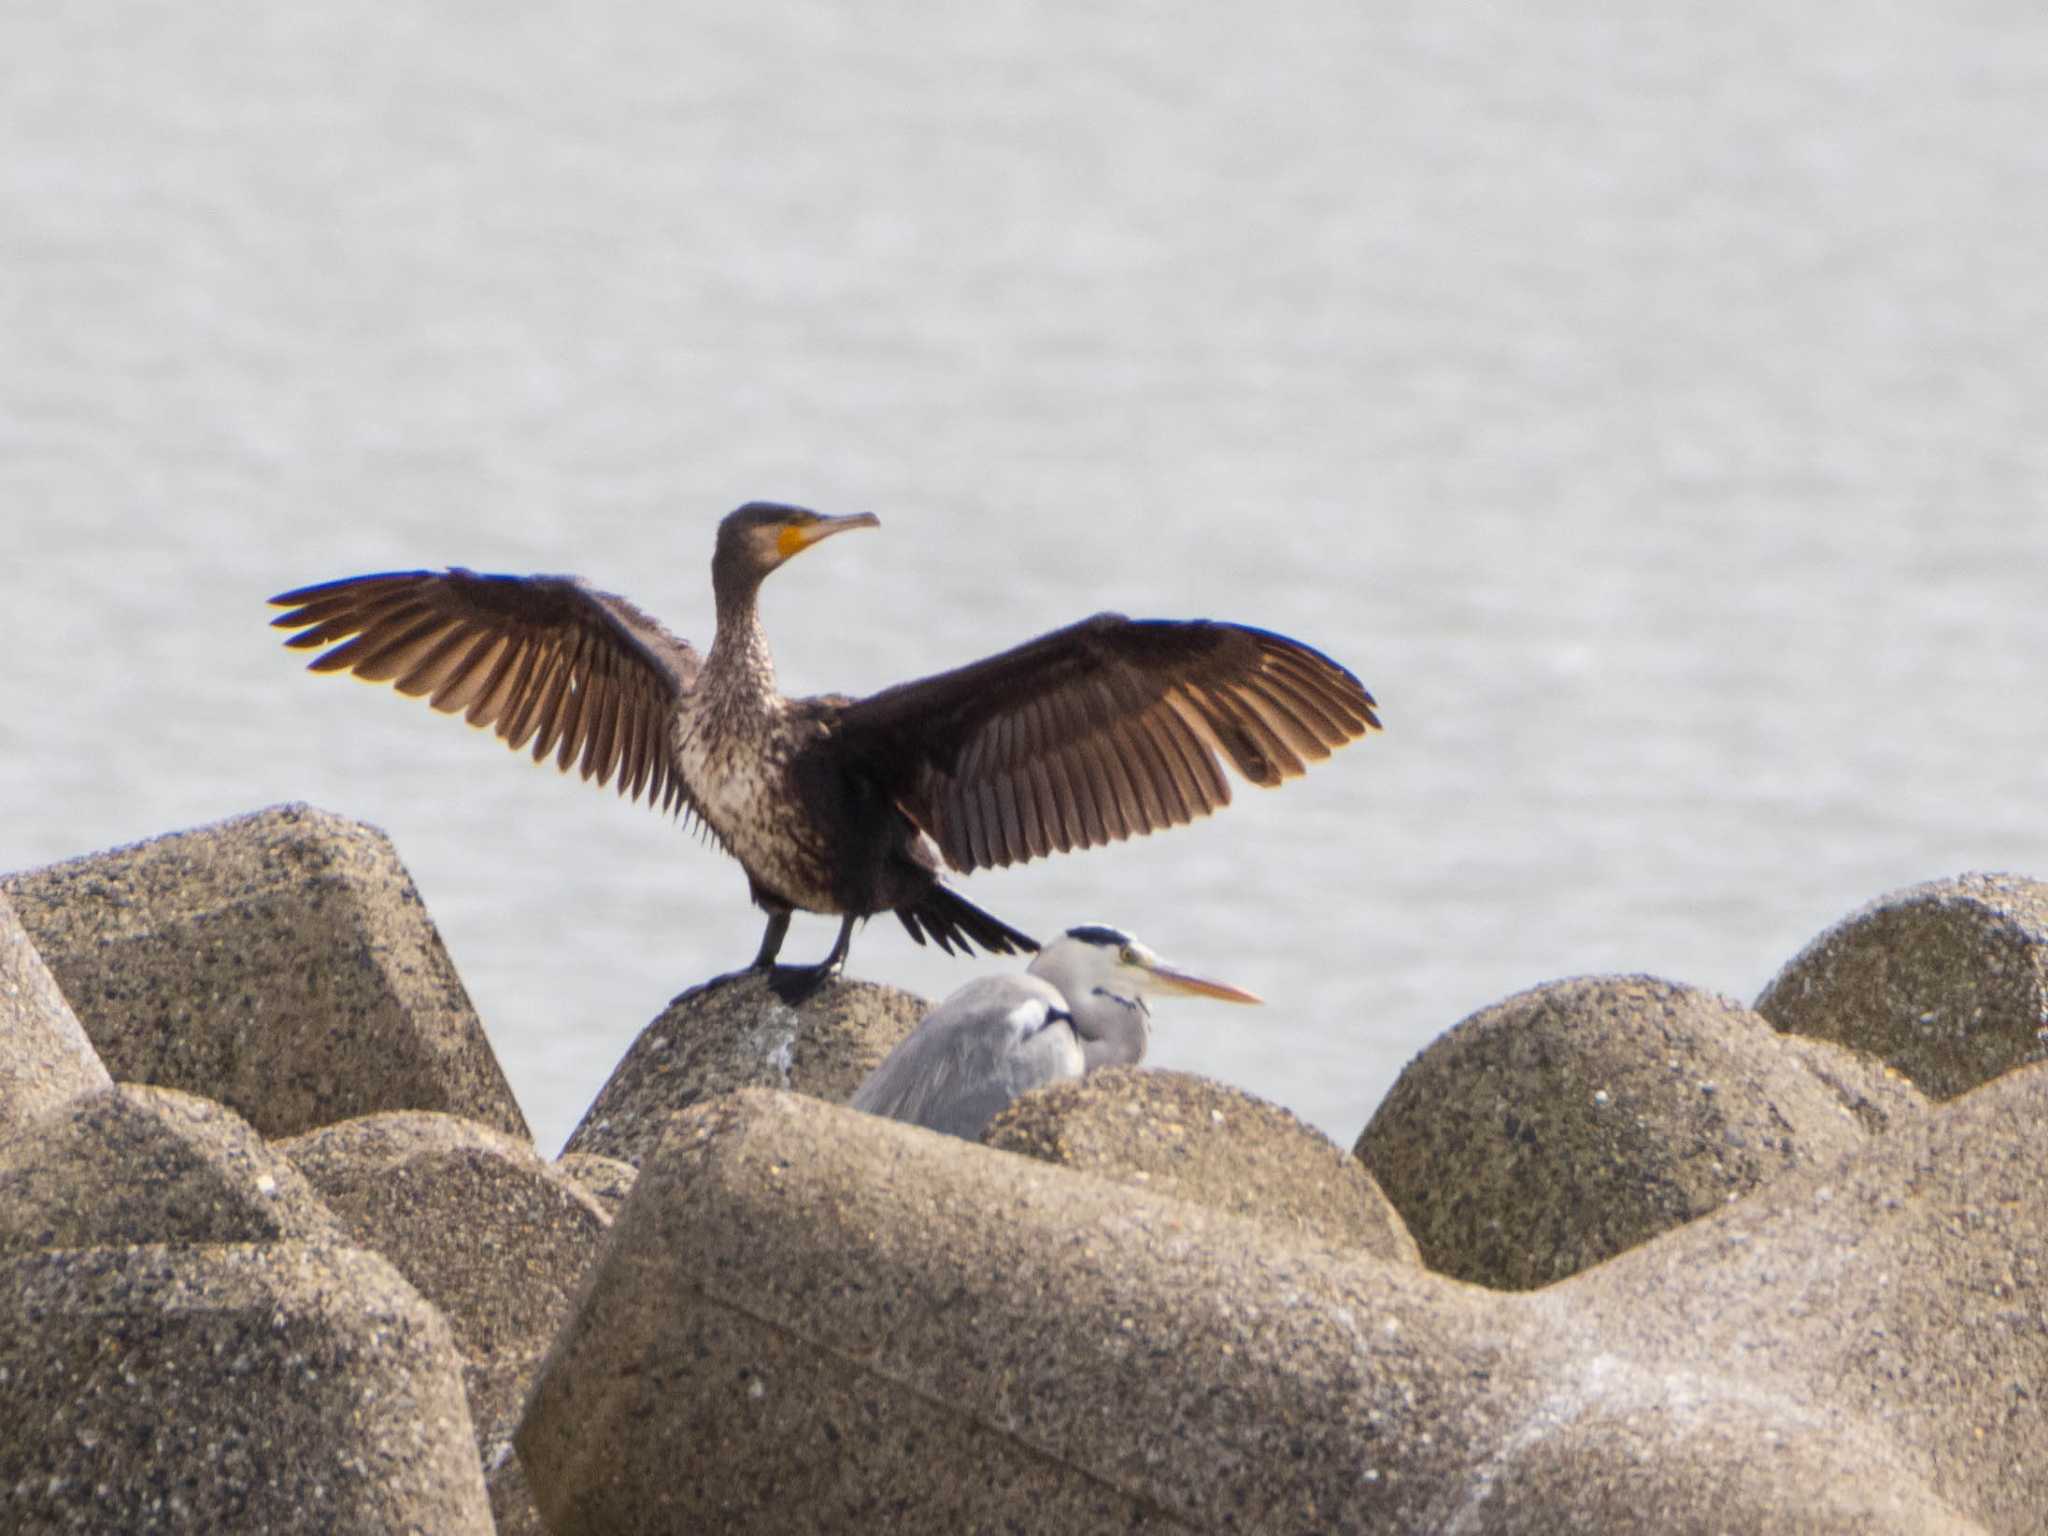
x,y
1647,402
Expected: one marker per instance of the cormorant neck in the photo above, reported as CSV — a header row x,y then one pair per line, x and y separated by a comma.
x,y
740,646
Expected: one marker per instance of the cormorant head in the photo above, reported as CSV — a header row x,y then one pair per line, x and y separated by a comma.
x,y
761,535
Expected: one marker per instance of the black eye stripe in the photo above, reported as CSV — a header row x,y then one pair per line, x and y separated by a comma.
x,y
1098,933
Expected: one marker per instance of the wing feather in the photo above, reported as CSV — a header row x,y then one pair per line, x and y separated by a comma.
x,y
542,660
1101,731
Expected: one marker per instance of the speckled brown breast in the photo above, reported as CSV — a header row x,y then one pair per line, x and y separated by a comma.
x,y
735,756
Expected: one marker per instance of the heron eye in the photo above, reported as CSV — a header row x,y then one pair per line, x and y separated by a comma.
x,y
1129,955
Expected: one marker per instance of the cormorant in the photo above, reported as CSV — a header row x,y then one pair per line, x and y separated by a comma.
x,y
1079,1006
1103,730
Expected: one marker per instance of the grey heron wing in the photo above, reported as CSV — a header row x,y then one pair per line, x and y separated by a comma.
x,y
1107,729
970,1056
542,659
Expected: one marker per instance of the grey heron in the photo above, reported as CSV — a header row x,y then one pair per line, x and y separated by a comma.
x,y
1078,1006
1106,729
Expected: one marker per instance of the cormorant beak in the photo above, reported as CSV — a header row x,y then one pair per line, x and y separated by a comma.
x,y
797,537
1165,978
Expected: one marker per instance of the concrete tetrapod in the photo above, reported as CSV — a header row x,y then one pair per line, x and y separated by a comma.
x,y
1946,981
276,1387
1557,1127
815,1321
1204,1141
493,1236
279,962
45,1057
737,1032
135,1164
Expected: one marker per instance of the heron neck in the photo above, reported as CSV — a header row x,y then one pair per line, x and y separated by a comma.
x,y
1117,1030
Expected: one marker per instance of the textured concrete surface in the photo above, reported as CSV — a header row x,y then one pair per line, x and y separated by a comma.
x,y
1622,1451
1879,1096
1557,1128
1900,1294
481,1226
280,962
814,1321
736,1032
274,1387
134,1164
1185,1136
513,1511
605,1179
1947,981
45,1057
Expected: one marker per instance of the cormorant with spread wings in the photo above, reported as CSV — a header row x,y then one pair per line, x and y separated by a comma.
x,y
1103,730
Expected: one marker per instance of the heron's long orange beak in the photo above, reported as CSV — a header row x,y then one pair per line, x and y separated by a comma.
x,y
1165,978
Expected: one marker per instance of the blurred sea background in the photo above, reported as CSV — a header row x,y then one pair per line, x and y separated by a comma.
x,y
1647,403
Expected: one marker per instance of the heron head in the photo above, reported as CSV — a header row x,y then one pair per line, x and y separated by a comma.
x,y
761,535
1097,960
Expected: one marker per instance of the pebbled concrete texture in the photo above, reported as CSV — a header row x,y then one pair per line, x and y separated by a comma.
x,y
280,962
485,1230
1902,1292
1878,1095
1555,1129
1195,1139
1945,981
135,1164
810,1320
1796,1296
605,1179
278,1387
1623,1450
737,1031
45,1056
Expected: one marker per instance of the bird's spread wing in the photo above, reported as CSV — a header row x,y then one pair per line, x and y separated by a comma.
x,y
539,659
1103,730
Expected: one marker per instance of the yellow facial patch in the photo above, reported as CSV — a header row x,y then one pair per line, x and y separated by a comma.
x,y
795,537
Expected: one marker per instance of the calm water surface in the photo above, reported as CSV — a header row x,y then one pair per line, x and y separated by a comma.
x,y
1648,407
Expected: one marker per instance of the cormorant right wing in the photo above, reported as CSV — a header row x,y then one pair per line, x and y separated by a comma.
x,y
545,659
1104,730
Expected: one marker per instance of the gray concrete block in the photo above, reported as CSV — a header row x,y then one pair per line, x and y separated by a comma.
x,y
815,1320
1557,1128
273,1387
280,962
512,1508
736,1032
1878,1095
45,1057
1647,1451
1947,981
605,1179
1181,1135
135,1164
1901,1294
481,1226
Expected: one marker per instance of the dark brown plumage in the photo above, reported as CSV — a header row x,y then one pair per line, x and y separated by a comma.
x,y
1104,730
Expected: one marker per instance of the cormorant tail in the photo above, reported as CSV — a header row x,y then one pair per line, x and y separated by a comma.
x,y
951,919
